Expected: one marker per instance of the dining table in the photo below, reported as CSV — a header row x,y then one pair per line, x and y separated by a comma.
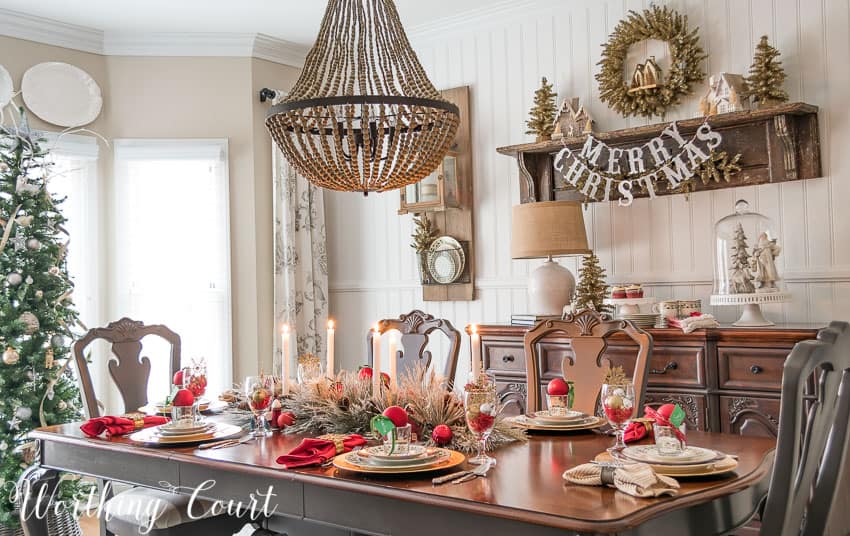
x,y
523,494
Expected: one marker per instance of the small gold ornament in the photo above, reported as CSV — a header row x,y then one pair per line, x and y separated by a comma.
x,y
48,358
54,270
11,356
39,294
24,221
33,244
30,322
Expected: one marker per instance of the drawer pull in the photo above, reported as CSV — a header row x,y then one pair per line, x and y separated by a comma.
x,y
755,369
507,359
672,365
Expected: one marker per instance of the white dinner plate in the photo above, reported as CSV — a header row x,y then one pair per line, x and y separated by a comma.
x,y
174,431
61,94
356,459
545,417
649,454
382,452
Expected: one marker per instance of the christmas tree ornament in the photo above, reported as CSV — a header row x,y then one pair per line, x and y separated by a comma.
x,y
58,341
24,221
442,434
54,270
28,280
24,413
33,243
14,423
48,358
541,117
14,279
11,356
30,321
39,294
764,83
591,288
19,241
62,405
647,94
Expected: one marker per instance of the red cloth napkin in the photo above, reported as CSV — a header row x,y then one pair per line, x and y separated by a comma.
x,y
317,451
635,431
114,426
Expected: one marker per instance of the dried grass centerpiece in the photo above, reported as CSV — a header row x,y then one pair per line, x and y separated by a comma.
x,y
348,405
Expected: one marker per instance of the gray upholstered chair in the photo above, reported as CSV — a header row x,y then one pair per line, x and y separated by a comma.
x,y
810,468
130,371
587,332
415,328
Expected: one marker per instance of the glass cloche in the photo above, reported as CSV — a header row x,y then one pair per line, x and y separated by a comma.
x,y
745,264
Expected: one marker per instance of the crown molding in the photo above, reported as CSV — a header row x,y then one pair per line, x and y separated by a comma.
x,y
50,32
243,45
495,13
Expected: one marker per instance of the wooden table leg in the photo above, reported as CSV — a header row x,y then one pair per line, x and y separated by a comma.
x,y
37,486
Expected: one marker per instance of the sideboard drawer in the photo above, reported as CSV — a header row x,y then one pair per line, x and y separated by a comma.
x,y
503,357
670,366
751,368
749,415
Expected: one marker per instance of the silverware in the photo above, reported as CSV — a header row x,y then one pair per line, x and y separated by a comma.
x,y
226,443
447,478
481,471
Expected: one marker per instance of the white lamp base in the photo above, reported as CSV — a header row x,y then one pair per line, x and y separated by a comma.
x,y
550,288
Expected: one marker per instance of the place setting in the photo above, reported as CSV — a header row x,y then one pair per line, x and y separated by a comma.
x,y
559,417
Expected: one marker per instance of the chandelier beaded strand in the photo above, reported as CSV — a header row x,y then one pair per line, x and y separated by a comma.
x,y
363,115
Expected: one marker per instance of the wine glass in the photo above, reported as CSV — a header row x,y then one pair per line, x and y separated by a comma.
x,y
481,405
259,390
618,401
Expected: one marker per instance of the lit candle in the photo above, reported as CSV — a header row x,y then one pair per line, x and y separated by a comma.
x,y
475,341
376,360
284,343
393,359
330,360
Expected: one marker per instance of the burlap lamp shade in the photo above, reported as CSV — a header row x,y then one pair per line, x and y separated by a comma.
x,y
548,229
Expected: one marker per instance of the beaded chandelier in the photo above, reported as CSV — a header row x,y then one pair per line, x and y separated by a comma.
x,y
363,116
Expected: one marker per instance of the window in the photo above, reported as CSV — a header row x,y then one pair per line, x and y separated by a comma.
x,y
171,255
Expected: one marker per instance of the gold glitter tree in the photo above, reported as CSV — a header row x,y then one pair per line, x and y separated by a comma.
x,y
541,120
764,83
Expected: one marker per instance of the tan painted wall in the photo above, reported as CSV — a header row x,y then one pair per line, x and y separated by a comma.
x,y
196,97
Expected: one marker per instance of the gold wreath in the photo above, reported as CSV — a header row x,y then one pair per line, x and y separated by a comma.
x,y
686,56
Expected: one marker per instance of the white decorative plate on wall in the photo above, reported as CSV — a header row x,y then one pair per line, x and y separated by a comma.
x,y
6,87
446,260
61,94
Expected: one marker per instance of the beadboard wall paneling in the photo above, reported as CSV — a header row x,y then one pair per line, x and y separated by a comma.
x,y
666,242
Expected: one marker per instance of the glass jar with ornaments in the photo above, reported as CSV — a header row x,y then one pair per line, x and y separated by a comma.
x,y
746,264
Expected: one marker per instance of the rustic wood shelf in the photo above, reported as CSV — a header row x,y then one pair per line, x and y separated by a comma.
x,y
777,144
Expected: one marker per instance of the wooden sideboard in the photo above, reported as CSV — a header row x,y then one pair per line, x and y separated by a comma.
x,y
726,379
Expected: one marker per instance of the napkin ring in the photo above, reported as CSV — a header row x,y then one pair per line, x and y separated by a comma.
x,y
138,420
338,440
607,475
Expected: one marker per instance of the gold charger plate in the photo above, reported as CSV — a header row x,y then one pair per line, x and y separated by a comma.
x,y
726,465
453,460
523,421
151,438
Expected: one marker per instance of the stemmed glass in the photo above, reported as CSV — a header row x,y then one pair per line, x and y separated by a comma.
x,y
618,403
259,390
481,405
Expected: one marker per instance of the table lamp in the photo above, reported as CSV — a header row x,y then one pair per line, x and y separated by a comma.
x,y
547,229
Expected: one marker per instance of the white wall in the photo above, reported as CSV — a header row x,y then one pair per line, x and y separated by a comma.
x,y
665,243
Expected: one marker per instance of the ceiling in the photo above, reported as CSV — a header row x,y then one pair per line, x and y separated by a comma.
x,y
296,21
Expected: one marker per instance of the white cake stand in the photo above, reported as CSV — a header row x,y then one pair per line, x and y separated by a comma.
x,y
628,306
751,316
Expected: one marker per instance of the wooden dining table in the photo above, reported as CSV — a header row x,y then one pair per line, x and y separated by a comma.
x,y
524,494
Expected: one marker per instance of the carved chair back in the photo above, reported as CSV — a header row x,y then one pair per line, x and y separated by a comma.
x,y
128,368
416,328
587,332
811,449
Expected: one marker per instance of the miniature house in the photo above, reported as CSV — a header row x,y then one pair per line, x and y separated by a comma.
x,y
572,120
724,94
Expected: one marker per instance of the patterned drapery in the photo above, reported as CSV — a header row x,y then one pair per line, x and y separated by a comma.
x,y
301,262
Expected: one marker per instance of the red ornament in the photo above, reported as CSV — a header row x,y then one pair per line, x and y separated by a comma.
x,y
365,373
184,397
178,378
442,434
558,387
397,414
666,410
385,379
286,419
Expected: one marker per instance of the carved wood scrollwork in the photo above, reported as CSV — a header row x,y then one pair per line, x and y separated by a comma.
x,y
528,191
783,132
743,409
513,394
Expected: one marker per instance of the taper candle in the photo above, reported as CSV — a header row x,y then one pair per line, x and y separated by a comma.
x,y
376,360
284,343
329,365
475,355
393,359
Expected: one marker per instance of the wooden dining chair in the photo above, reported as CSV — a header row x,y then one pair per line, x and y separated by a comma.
x,y
587,332
130,372
416,328
810,467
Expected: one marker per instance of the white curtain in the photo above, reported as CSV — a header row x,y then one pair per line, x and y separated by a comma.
x,y
301,262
